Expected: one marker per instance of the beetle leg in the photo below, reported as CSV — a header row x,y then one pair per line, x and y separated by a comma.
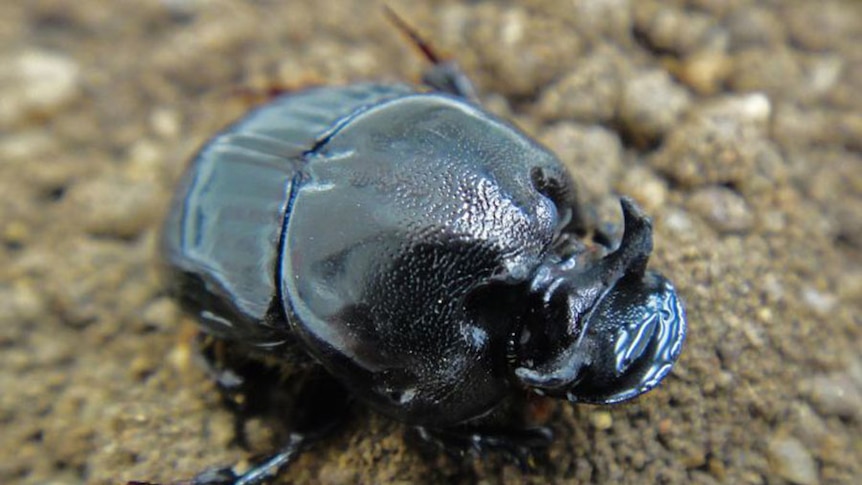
x,y
319,410
312,405
444,75
231,380
259,473
448,77
228,382
522,445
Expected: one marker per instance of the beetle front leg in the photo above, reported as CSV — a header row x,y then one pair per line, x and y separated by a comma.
x,y
257,386
259,473
521,445
242,383
319,410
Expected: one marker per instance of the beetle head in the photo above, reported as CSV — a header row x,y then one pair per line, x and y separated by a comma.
x,y
601,331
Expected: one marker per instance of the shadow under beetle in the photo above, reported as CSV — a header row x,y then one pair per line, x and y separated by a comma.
x,y
418,254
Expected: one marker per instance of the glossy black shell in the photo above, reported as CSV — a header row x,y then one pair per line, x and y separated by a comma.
x,y
359,221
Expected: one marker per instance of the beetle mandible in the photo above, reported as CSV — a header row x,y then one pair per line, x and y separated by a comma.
x,y
427,255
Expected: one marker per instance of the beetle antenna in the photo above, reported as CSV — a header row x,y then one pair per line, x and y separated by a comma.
x,y
412,34
445,75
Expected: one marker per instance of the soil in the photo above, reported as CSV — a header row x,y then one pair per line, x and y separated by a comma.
x,y
736,124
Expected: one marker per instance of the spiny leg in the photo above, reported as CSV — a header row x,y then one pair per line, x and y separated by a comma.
x,y
257,475
246,384
521,445
311,405
260,473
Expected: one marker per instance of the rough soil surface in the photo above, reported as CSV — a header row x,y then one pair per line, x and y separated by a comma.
x,y
737,124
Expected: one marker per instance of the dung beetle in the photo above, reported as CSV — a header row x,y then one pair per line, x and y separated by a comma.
x,y
428,256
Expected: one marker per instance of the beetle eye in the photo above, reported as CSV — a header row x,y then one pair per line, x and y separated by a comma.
x,y
546,185
556,189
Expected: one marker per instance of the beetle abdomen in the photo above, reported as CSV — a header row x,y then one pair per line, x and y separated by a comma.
x,y
223,234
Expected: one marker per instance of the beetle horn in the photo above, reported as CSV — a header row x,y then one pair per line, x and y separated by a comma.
x,y
631,257
626,325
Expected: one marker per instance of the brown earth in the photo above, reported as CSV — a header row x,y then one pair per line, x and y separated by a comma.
x,y
737,124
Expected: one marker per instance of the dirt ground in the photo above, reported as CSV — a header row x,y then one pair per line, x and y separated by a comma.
x,y
736,124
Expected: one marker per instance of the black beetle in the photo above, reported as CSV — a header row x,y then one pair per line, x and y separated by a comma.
x,y
428,255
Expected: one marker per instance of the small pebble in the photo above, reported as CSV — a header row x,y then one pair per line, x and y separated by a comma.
x,y
603,19
824,73
182,8
21,305
678,222
26,145
519,52
822,25
723,142
704,72
593,154
725,210
651,104
639,459
645,186
821,302
797,126
776,71
36,83
161,313
602,420
808,425
789,459
834,395
717,468
671,28
590,91
145,161
165,122
755,26
114,207
855,372
15,234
